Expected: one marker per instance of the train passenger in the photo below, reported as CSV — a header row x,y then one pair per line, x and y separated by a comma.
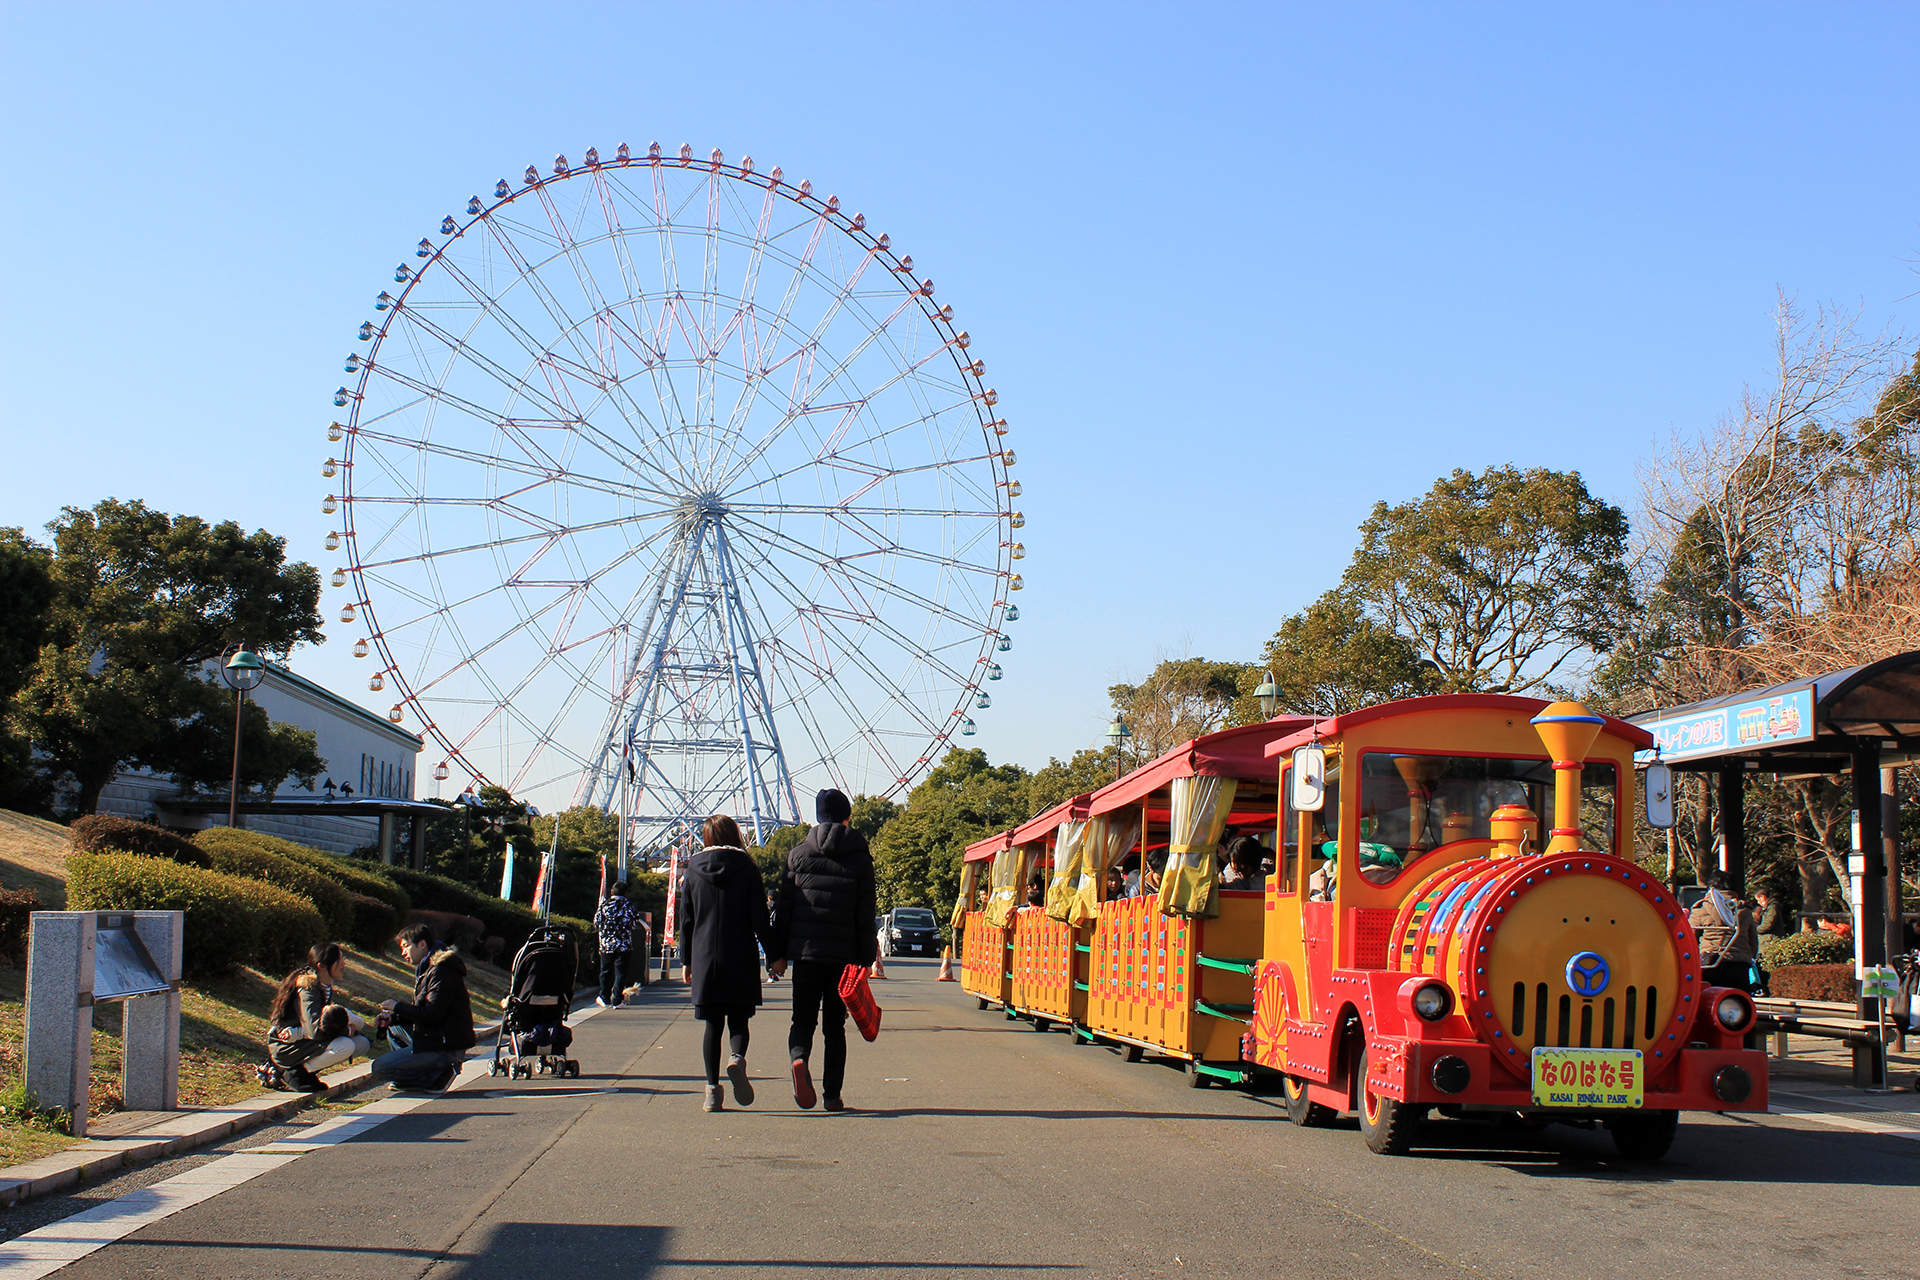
x,y
1244,869
1324,882
1130,867
1149,886
1116,883
1729,946
1037,891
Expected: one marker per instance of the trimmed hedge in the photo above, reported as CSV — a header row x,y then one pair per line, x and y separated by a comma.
x,y
16,919
229,920
1820,947
353,876
334,903
511,921
1814,982
463,932
374,924
99,833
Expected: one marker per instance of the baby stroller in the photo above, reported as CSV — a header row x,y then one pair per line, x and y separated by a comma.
x,y
534,1035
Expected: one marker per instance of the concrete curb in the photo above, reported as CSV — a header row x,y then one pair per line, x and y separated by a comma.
x,y
187,1130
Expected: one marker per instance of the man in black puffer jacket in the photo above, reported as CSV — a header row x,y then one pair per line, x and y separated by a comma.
x,y
823,922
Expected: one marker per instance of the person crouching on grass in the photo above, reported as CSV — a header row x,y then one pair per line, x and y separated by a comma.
x,y
440,1017
307,1032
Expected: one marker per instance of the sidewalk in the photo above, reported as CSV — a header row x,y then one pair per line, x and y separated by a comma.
x,y
1815,1082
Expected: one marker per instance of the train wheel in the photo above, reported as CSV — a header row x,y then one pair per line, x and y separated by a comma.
x,y
1196,1078
1387,1124
1645,1136
982,1000
1043,1024
1306,1114
1132,1052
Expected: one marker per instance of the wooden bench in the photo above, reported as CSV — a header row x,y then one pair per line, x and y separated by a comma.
x,y
1829,1019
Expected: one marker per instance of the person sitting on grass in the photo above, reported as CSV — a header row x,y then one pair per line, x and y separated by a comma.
x,y
439,1018
301,1039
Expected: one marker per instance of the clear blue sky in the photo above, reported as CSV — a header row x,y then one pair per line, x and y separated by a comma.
x,y
1239,270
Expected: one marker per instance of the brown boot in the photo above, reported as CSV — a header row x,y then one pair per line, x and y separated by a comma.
x,y
715,1099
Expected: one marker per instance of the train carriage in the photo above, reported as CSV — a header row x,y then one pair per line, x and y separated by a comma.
x,y
1454,922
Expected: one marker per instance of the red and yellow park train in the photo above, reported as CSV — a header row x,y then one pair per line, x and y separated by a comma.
x,y
1453,921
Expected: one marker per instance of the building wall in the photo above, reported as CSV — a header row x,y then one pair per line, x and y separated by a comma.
x,y
375,758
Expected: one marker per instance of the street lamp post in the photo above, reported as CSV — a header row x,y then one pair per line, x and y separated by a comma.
x,y
1269,694
1117,734
243,671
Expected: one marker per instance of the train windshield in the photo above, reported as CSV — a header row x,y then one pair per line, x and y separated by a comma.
x,y
1412,803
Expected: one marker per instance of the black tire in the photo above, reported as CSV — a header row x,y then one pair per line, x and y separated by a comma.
x,y
1132,1052
1196,1078
983,1001
1043,1024
1387,1124
1306,1114
1646,1135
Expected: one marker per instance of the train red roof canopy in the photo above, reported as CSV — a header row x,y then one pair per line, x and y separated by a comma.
x,y
1231,753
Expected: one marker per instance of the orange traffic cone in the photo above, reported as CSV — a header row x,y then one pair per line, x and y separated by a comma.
x,y
946,965
879,969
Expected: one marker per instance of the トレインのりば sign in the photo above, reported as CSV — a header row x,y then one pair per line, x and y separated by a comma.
x,y
1774,719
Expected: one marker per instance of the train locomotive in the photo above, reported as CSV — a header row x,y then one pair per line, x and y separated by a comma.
x,y
1453,922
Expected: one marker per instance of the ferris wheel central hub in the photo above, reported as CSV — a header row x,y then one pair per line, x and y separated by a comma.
x,y
695,508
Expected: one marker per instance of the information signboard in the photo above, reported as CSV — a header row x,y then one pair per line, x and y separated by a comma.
x,y
1778,719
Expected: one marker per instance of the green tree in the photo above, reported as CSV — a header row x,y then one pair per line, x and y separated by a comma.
x,y
1089,770
917,856
1181,699
141,602
1331,658
1500,579
26,591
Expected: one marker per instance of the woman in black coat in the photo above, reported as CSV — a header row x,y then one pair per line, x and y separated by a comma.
x,y
724,905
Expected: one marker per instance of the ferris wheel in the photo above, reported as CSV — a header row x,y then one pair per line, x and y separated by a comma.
x,y
666,485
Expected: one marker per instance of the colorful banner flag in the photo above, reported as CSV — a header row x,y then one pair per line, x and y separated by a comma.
x,y
506,875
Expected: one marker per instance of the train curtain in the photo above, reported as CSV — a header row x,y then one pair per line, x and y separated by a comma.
x,y
1107,839
1190,886
969,885
1007,892
1069,852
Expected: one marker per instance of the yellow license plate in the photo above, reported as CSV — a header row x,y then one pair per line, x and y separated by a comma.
x,y
1601,1078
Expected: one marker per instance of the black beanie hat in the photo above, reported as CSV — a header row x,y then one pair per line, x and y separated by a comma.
x,y
831,806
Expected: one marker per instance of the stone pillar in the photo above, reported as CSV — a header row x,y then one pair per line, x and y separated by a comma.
x,y
419,842
387,836
60,1011
150,1027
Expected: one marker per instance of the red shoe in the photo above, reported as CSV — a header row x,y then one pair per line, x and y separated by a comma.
x,y
803,1086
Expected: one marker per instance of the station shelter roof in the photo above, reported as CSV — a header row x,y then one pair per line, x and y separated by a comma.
x,y
1811,725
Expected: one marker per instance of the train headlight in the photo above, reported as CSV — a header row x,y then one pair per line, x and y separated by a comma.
x,y
1432,1002
1733,1011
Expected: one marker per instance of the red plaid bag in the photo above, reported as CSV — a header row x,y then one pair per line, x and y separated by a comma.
x,y
858,997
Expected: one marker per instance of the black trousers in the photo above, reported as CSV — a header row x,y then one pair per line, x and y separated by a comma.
x,y
816,998
613,974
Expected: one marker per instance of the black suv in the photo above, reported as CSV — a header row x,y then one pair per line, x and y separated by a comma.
x,y
909,931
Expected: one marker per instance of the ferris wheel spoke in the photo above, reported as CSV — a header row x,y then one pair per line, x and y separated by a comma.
x,y
493,462
855,573
858,608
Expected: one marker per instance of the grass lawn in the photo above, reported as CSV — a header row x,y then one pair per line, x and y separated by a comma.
x,y
222,1021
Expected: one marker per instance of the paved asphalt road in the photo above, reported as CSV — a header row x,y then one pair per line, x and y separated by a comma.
x,y
979,1147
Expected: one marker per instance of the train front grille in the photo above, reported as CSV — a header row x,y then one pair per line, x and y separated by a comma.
x,y
1555,1024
